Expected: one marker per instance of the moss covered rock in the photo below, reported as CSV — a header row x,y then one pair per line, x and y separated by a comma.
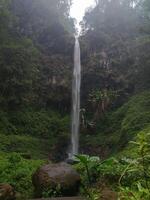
x,y
52,177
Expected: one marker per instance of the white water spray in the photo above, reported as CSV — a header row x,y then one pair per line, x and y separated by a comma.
x,y
76,100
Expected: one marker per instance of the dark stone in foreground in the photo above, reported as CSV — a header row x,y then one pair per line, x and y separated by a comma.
x,y
6,192
50,176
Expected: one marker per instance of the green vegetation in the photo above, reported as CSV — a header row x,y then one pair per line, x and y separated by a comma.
x,y
128,176
26,137
34,147
36,133
119,127
127,172
32,66
18,172
36,48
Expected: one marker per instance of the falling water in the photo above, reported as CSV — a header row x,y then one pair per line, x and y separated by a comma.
x,y
76,100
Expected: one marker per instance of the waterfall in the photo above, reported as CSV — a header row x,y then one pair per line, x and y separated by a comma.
x,y
76,100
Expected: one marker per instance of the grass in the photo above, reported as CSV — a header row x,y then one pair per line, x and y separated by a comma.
x,y
130,149
18,172
33,132
38,123
35,147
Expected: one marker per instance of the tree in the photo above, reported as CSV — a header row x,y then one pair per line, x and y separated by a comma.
x,y
18,70
36,36
108,38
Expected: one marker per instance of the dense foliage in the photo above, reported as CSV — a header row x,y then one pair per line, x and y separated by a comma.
x,y
18,172
115,42
128,175
36,59
33,37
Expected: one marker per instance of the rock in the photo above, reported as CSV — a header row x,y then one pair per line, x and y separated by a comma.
x,y
6,192
50,176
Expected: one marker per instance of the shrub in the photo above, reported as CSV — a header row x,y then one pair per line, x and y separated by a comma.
x,y
18,172
139,169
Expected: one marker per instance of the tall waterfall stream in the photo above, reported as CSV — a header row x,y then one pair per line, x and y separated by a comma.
x,y
76,100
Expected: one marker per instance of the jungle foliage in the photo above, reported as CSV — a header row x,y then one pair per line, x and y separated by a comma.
x,y
36,60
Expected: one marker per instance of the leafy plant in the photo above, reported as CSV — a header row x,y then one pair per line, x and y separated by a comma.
x,y
138,193
89,164
139,169
49,192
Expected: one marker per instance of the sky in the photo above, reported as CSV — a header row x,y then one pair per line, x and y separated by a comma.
x,y
78,9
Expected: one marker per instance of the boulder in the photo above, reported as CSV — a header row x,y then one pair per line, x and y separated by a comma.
x,y
6,192
50,177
